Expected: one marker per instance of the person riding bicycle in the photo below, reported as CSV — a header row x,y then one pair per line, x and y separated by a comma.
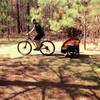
x,y
37,28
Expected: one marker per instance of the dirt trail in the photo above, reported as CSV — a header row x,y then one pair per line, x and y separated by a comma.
x,y
54,77
12,52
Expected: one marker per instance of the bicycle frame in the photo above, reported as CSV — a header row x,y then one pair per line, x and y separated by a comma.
x,y
30,39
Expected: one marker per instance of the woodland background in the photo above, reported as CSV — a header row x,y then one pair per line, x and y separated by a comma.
x,y
16,16
55,77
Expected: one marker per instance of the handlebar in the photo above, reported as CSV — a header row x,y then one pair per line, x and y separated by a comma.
x,y
29,36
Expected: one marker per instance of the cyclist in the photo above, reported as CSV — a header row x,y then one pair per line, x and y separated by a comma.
x,y
37,28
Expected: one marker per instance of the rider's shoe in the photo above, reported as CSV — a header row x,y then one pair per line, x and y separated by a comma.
x,y
37,49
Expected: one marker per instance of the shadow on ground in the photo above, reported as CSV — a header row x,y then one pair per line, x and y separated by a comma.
x,y
50,77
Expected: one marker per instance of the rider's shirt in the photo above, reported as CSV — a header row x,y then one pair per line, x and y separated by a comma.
x,y
39,30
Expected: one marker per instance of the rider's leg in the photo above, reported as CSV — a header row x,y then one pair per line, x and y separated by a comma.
x,y
37,40
38,43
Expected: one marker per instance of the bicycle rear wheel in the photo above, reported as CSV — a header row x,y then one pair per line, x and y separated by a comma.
x,y
24,47
47,48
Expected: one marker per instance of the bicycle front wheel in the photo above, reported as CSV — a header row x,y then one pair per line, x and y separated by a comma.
x,y
24,47
47,48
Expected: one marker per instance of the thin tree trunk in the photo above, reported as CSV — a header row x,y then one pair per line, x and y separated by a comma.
x,y
84,30
8,34
18,17
35,3
28,13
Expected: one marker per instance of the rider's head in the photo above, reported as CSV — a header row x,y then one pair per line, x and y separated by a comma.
x,y
33,21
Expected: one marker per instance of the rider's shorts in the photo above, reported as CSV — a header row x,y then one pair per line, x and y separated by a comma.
x,y
38,36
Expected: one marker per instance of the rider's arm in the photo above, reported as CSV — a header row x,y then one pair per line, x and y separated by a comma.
x,y
32,30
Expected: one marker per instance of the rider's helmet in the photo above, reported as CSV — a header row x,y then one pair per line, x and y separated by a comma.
x,y
33,20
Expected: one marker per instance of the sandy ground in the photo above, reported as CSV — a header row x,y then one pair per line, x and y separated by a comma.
x,y
12,52
37,77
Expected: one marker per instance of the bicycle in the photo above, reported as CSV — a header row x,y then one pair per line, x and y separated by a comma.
x,y
24,47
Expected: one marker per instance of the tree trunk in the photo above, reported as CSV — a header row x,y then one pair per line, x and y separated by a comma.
x,y
28,13
18,17
8,34
84,30
35,4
